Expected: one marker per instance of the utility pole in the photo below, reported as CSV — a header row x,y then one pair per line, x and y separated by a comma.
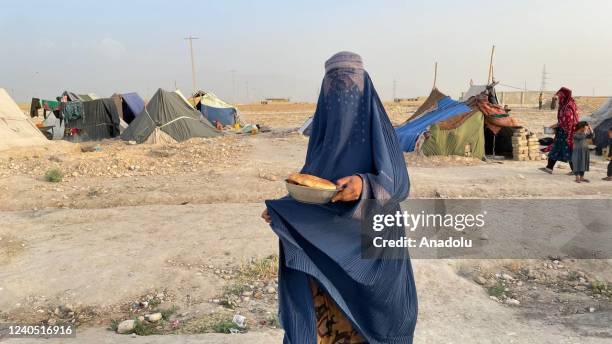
x,y
490,78
544,79
435,74
248,99
233,85
193,74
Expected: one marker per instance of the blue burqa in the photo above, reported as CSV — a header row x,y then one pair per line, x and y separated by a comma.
x,y
351,135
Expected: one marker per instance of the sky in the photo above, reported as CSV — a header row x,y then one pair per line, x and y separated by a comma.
x,y
250,50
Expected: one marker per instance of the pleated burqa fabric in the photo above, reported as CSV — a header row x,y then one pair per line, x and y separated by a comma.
x,y
351,135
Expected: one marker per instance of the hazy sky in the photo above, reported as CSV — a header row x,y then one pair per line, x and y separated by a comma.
x,y
278,47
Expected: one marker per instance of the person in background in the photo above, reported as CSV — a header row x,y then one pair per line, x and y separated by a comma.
x,y
553,102
567,118
540,101
580,154
609,177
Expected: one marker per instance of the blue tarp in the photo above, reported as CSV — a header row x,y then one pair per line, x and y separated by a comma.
x,y
409,132
225,116
132,106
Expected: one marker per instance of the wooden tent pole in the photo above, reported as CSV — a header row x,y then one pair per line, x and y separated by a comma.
x,y
490,79
435,74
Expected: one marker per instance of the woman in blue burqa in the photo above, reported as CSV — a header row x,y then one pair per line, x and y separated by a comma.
x,y
328,291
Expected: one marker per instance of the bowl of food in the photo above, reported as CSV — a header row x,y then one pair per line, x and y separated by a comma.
x,y
311,189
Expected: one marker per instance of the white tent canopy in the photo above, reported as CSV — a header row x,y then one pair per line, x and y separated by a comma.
x,y
16,130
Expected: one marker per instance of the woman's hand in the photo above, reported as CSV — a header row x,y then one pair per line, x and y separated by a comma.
x,y
351,189
266,216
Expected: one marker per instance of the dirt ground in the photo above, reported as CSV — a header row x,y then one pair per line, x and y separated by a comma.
x,y
135,229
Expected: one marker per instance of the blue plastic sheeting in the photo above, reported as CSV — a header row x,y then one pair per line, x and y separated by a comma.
x,y
225,116
409,132
132,106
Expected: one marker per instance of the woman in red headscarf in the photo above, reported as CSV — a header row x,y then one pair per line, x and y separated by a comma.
x,y
567,118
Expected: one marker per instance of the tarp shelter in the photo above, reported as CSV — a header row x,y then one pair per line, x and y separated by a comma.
x,y
475,127
170,113
99,120
214,109
601,121
430,104
16,130
440,106
70,96
475,90
129,105
57,126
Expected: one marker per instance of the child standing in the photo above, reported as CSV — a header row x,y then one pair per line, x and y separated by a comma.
x,y
580,153
609,177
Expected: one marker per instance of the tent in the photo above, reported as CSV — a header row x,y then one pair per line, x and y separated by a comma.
x,y
214,109
169,113
601,121
56,126
16,130
440,106
476,127
129,105
475,90
95,120
429,105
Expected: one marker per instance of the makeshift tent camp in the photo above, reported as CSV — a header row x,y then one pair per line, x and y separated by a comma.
x,y
98,120
214,109
129,105
458,128
16,130
168,112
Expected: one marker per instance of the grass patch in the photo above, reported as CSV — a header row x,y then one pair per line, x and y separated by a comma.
x,y
213,323
601,287
225,326
497,290
234,289
114,324
167,313
265,268
54,175
143,328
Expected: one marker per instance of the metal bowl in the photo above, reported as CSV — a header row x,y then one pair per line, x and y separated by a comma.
x,y
310,195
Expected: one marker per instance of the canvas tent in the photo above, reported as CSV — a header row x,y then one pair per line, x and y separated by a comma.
x,y
129,105
167,113
476,127
16,130
214,109
56,126
440,106
601,121
475,90
98,119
